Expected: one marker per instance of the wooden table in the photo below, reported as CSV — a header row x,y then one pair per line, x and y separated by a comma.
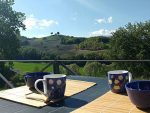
x,y
111,103
64,106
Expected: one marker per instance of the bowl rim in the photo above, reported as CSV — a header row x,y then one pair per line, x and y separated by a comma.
x,y
136,82
118,72
30,74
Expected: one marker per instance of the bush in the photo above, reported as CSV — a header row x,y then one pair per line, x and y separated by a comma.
x,y
18,80
93,69
98,69
74,67
132,43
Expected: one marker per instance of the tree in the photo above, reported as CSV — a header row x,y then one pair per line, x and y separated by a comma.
x,y
93,69
51,33
93,43
74,67
58,33
29,53
10,22
132,43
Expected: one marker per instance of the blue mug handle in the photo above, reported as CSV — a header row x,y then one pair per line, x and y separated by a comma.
x,y
45,89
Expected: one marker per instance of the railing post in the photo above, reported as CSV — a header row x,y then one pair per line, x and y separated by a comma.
x,y
56,67
43,69
8,83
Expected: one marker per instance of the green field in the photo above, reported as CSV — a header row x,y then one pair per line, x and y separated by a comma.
x,y
35,67
25,67
31,67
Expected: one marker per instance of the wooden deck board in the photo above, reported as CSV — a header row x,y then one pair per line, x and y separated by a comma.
x,y
111,103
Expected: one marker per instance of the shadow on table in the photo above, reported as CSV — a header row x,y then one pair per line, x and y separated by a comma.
x,y
70,103
145,110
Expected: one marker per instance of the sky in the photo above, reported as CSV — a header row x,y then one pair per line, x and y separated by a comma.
x,y
80,18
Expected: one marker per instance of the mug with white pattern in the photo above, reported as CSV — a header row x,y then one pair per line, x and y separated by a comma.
x,y
117,80
54,86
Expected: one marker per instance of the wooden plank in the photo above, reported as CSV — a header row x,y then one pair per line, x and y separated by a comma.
x,y
25,96
111,103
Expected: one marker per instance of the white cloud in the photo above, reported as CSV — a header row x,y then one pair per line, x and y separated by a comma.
x,y
102,32
47,23
109,20
103,20
32,22
42,35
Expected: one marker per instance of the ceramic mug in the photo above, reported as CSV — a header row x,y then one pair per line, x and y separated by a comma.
x,y
54,86
117,80
30,79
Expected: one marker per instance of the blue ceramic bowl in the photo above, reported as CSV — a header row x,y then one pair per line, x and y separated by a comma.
x,y
30,79
139,93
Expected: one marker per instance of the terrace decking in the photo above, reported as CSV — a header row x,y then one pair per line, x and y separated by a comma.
x,y
111,103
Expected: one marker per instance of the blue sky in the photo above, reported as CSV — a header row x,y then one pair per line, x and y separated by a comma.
x,y
82,18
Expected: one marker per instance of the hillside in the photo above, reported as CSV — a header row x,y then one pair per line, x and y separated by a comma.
x,y
60,45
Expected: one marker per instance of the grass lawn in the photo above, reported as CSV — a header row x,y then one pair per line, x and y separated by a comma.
x,y
35,67
31,67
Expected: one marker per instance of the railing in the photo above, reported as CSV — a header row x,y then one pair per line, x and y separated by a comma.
x,y
57,63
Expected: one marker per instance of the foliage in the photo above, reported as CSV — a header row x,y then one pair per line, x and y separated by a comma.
x,y
6,73
74,67
18,80
29,53
92,56
24,41
10,22
97,69
49,56
132,43
71,40
94,43
105,39
93,69
63,47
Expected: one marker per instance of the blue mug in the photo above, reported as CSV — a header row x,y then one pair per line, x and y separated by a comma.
x,y
117,80
54,86
30,79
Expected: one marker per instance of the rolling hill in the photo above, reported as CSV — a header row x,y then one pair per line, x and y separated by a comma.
x,y
60,45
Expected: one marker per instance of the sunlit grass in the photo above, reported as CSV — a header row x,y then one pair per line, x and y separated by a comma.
x,y
31,67
25,67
